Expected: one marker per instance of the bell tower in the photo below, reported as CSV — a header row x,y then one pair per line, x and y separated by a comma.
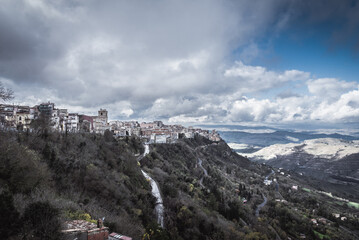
x,y
102,114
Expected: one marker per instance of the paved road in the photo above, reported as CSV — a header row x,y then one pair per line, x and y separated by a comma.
x,y
259,207
204,171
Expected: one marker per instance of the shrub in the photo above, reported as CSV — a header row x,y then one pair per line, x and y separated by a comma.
x,y
9,217
41,219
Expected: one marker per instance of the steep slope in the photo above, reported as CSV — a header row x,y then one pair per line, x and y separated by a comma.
x,y
224,202
78,174
223,196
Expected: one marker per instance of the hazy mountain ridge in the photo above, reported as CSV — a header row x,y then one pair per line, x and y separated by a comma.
x,y
265,139
327,148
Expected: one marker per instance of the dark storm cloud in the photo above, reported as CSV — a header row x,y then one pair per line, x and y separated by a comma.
x,y
28,40
150,58
132,50
19,44
339,20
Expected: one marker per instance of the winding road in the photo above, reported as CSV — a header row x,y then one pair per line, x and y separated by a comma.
x,y
269,175
204,171
260,206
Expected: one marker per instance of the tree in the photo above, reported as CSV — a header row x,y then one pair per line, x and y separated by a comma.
x,y
9,217
21,168
6,93
42,125
42,219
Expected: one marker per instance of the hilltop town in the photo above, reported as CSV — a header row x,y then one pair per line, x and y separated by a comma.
x,y
15,117
205,189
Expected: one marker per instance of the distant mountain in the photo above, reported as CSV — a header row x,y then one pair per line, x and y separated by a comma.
x,y
268,137
331,160
331,149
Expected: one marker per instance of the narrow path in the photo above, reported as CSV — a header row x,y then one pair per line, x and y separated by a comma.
x,y
200,165
277,237
204,171
260,206
269,175
159,208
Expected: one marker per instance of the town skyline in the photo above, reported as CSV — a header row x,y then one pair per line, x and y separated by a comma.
x,y
47,116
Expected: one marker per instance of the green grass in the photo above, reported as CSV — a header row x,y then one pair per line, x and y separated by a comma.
x,y
306,189
320,235
353,204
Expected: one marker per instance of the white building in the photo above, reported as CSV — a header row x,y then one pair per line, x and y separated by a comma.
x,y
189,134
161,138
72,122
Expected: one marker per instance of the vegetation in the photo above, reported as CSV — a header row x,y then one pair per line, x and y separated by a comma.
x,y
50,177
5,93
80,175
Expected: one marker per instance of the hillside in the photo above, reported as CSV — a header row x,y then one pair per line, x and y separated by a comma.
x,y
77,174
333,161
325,148
208,191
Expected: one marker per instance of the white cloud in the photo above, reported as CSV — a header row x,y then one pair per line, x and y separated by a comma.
x,y
257,78
344,108
158,59
252,110
185,119
329,88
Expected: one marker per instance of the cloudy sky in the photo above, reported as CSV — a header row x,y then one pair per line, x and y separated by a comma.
x,y
207,61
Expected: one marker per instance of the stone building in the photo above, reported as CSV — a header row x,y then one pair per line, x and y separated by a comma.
x,y
15,117
83,230
101,121
86,123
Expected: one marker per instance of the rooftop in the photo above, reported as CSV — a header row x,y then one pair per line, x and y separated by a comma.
x,y
79,225
119,236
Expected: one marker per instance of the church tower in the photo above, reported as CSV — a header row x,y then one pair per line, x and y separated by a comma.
x,y
102,114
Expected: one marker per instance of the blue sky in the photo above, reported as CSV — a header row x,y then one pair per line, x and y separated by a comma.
x,y
309,48
313,54
206,61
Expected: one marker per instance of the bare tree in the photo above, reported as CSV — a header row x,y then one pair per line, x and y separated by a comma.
x,y
5,93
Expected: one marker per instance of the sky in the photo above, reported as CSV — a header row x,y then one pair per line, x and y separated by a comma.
x,y
204,61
